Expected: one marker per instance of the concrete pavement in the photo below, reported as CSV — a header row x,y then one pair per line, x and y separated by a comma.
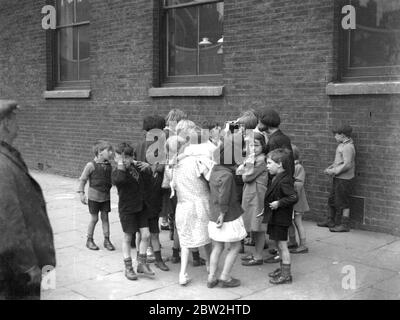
x,y
354,265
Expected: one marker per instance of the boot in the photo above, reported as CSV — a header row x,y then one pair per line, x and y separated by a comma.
x,y
330,221
197,260
284,277
90,244
175,256
129,272
276,272
159,261
150,255
108,245
143,267
343,227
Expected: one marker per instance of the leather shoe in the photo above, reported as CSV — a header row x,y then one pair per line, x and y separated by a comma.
x,y
108,245
252,262
248,257
231,283
281,280
161,265
273,259
184,279
199,262
212,284
144,269
275,273
91,245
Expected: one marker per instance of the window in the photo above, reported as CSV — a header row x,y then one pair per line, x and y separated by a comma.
x,y
71,47
193,41
372,50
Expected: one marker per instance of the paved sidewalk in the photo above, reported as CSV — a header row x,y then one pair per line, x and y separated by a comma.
x,y
320,274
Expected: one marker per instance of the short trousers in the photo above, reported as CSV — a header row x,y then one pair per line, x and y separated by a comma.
x,y
95,207
153,225
132,222
340,193
277,233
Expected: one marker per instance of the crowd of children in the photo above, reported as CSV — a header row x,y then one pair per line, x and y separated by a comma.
x,y
216,185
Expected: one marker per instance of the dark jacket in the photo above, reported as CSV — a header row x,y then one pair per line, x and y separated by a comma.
x,y
26,236
279,140
130,190
281,189
223,195
152,181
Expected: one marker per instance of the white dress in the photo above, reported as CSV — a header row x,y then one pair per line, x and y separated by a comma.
x,y
191,215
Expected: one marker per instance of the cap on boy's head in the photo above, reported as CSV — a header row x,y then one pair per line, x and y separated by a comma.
x,y
7,107
343,129
269,117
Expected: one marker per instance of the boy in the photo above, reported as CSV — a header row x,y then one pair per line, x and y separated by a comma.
x,y
128,178
279,200
98,172
342,170
152,187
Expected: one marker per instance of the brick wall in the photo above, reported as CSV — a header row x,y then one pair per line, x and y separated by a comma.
x,y
277,53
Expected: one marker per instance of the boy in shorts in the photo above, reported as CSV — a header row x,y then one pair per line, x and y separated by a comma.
x,y
342,171
128,177
98,173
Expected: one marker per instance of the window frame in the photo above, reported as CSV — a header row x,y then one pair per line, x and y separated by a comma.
x,y
54,44
351,74
181,80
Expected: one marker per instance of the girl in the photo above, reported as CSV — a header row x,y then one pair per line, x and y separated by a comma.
x,y
255,178
226,223
301,206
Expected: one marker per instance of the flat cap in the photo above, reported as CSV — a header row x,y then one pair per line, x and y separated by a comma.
x,y
6,107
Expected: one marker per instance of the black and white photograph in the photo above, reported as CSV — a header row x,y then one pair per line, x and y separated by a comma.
x,y
208,151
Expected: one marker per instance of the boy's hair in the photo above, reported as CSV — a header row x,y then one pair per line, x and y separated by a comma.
x,y
173,145
269,117
125,149
175,115
280,155
101,145
296,152
260,137
153,122
343,129
210,124
248,119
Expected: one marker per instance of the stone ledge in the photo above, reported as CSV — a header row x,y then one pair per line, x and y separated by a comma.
x,y
210,91
67,94
370,87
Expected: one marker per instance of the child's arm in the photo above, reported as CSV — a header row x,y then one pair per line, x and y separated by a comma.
x,y
87,171
118,175
257,170
289,196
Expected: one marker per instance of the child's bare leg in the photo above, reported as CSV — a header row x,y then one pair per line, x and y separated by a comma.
x,y
144,237
184,260
138,238
106,231
126,245
346,212
259,238
230,260
155,241
207,249
284,251
298,220
92,224
214,259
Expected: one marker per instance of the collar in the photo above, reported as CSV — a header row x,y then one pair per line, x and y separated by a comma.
x,y
13,154
349,140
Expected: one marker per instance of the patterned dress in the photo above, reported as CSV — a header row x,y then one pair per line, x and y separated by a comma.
x,y
193,195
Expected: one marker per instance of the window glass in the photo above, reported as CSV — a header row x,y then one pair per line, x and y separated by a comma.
x,y
65,12
68,54
84,53
82,10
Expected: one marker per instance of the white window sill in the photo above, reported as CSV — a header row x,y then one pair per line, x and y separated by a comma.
x,y
208,91
370,87
67,94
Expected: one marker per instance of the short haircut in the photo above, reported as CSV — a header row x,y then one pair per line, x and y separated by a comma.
x,y
153,122
173,145
101,145
260,137
175,115
296,152
210,124
125,149
343,129
249,119
269,117
281,155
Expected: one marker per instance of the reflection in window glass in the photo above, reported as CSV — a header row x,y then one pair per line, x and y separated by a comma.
x,y
68,54
82,10
376,40
65,12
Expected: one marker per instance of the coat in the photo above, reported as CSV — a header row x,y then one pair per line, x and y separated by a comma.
x,y
281,189
223,196
299,179
26,236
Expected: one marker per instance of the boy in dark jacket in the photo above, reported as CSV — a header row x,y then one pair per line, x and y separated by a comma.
x,y
133,213
279,200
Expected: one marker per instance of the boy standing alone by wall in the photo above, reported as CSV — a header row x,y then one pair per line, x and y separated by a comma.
x,y
342,171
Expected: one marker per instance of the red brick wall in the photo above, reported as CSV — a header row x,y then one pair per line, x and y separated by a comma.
x,y
277,53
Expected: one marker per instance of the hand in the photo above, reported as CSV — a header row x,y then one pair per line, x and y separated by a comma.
x,y
118,158
220,220
83,198
274,205
35,275
329,172
142,165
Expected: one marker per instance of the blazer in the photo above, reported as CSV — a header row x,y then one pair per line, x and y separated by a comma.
x,y
280,189
223,196
26,236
